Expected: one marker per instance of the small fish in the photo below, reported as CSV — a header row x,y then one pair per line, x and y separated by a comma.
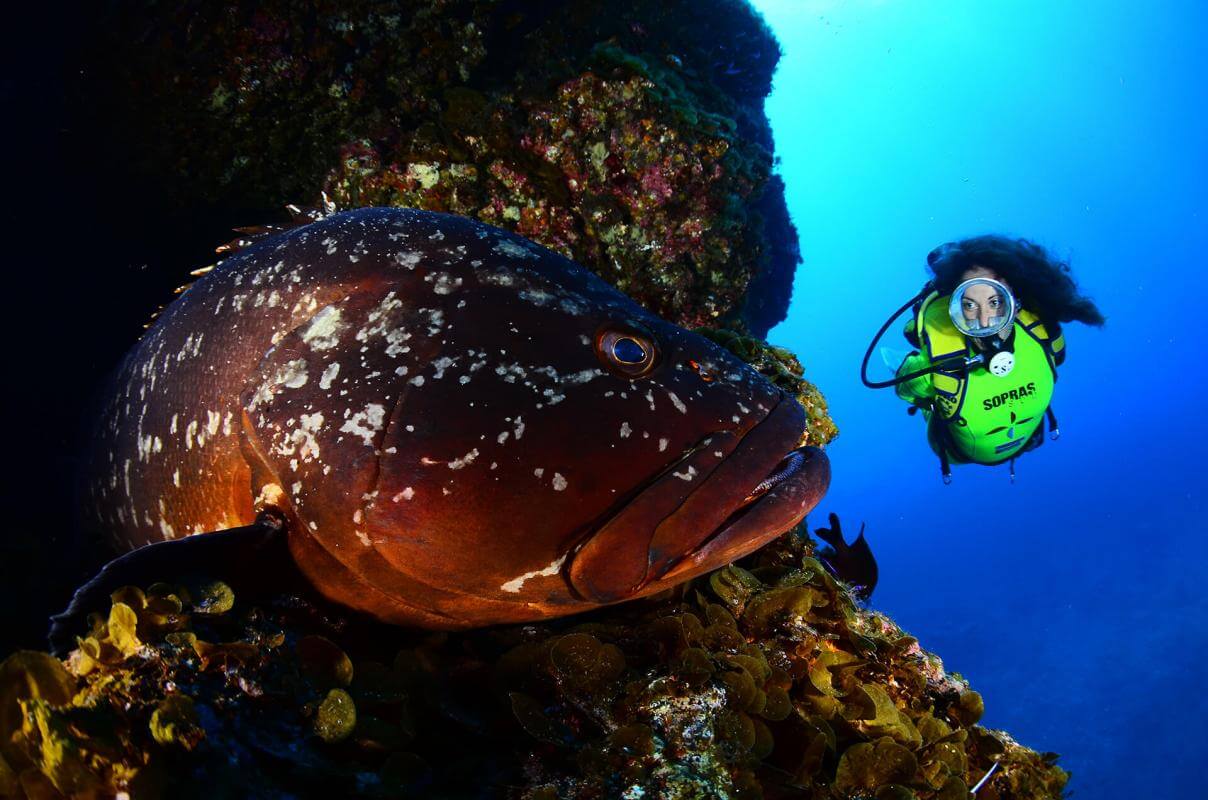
x,y
851,563
450,425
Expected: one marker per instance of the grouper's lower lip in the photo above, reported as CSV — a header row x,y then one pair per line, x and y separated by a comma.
x,y
799,485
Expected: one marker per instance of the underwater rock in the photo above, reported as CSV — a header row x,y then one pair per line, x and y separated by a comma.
x,y
628,136
760,680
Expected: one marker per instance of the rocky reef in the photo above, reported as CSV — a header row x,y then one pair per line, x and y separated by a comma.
x,y
764,679
627,136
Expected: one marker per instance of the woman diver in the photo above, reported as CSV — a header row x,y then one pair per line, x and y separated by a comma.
x,y
987,333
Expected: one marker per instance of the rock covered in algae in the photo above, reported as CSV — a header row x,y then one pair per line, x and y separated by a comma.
x,y
628,136
783,369
759,680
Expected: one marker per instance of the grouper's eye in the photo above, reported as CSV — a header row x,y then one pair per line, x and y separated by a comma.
x,y
627,352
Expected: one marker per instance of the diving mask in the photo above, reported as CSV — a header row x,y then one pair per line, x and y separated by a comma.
x,y
982,307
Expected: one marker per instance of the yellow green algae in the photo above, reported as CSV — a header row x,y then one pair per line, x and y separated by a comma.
x,y
764,679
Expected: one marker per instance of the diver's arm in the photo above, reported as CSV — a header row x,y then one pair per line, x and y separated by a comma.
x,y
919,391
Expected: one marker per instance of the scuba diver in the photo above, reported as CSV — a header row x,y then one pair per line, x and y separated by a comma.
x,y
987,333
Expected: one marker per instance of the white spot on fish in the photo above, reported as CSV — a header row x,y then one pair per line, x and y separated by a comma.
x,y
662,445
291,375
512,250
323,331
440,365
329,375
407,260
444,283
679,404
516,584
366,423
559,482
468,458
625,430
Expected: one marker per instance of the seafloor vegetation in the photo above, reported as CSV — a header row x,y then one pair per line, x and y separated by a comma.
x,y
760,680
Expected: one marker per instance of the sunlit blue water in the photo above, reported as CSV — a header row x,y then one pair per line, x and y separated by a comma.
x,y
1073,600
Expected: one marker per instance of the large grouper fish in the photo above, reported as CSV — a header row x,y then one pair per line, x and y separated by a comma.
x,y
452,426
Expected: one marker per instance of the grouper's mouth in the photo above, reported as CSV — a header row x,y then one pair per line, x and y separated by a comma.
x,y
751,488
778,503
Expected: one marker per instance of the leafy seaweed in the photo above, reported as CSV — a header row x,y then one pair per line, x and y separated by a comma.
x,y
758,678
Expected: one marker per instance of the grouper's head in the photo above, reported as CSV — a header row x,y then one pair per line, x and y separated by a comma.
x,y
478,430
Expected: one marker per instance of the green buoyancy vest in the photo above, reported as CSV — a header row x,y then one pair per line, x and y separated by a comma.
x,y
988,418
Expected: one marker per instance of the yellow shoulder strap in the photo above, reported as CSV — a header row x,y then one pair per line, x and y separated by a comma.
x,y
939,339
936,328
1033,325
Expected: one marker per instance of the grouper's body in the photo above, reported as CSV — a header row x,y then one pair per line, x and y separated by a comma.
x,y
458,426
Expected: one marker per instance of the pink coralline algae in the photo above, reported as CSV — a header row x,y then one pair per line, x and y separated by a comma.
x,y
625,136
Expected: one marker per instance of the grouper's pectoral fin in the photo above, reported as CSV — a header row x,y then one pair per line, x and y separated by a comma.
x,y
253,552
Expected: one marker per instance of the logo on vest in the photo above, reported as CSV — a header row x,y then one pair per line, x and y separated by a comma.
x,y
991,403
1010,429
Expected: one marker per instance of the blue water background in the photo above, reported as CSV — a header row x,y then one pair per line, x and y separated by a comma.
x,y
1073,600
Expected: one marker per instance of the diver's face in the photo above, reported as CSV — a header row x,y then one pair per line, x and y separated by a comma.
x,y
982,303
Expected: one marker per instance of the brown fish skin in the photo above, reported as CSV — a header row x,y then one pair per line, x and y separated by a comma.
x,y
451,422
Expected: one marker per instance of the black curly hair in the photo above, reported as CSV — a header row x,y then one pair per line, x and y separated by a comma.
x,y
1040,282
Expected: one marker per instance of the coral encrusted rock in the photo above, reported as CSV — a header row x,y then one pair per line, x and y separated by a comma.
x,y
629,136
